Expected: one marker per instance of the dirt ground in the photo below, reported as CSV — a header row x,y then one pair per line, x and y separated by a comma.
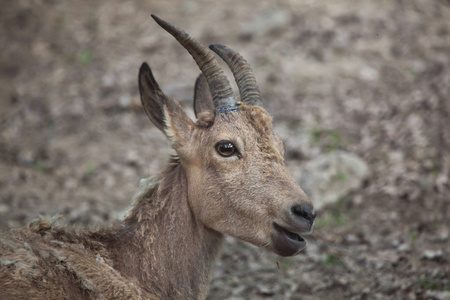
x,y
368,77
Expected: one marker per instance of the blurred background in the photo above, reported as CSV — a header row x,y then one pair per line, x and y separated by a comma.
x,y
359,91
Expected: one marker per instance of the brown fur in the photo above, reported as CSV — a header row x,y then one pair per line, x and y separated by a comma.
x,y
154,254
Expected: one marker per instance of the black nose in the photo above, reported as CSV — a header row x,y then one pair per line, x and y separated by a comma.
x,y
304,212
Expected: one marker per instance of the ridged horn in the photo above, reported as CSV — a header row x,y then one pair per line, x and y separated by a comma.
x,y
242,72
218,83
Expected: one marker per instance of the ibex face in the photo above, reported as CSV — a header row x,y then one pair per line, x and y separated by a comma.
x,y
233,160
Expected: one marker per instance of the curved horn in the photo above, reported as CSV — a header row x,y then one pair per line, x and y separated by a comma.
x,y
243,74
217,81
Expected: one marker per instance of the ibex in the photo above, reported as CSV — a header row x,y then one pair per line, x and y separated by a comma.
x,y
228,178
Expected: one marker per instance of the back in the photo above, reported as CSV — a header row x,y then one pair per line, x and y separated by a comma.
x,y
43,262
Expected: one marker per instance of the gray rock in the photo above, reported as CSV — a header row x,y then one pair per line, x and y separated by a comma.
x,y
433,255
268,289
405,247
4,209
441,295
329,177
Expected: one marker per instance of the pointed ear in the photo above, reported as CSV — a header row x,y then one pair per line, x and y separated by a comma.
x,y
203,101
163,111
152,97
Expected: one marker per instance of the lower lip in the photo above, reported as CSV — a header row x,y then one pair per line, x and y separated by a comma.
x,y
285,242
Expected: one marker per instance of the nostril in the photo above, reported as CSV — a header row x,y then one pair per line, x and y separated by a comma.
x,y
303,212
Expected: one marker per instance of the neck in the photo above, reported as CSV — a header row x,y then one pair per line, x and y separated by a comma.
x,y
163,246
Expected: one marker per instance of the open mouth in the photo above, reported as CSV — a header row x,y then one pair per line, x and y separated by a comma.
x,y
286,242
291,235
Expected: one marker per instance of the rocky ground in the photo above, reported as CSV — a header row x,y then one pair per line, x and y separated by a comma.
x,y
359,91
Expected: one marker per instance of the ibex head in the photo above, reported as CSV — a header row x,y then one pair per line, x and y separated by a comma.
x,y
233,160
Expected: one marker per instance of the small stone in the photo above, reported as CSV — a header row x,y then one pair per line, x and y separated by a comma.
x,y
352,239
441,235
396,156
108,81
405,247
441,295
268,289
342,281
4,209
5,262
132,158
125,101
369,74
436,274
433,254
358,199
26,157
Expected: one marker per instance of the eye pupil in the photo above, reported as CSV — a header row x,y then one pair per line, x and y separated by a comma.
x,y
225,148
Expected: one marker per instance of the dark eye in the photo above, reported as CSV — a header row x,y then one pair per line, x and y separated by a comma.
x,y
225,148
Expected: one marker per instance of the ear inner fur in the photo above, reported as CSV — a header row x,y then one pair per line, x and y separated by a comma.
x,y
163,111
152,97
178,125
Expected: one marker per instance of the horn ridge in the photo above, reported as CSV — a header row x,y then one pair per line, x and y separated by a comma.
x,y
218,83
242,72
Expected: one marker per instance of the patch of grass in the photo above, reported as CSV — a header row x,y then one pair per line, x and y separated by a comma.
x,y
429,284
413,73
40,165
435,168
335,137
341,220
413,237
342,204
331,140
63,21
85,57
285,263
332,220
91,169
334,141
330,149
338,215
323,222
341,177
316,135
332,260
233,282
